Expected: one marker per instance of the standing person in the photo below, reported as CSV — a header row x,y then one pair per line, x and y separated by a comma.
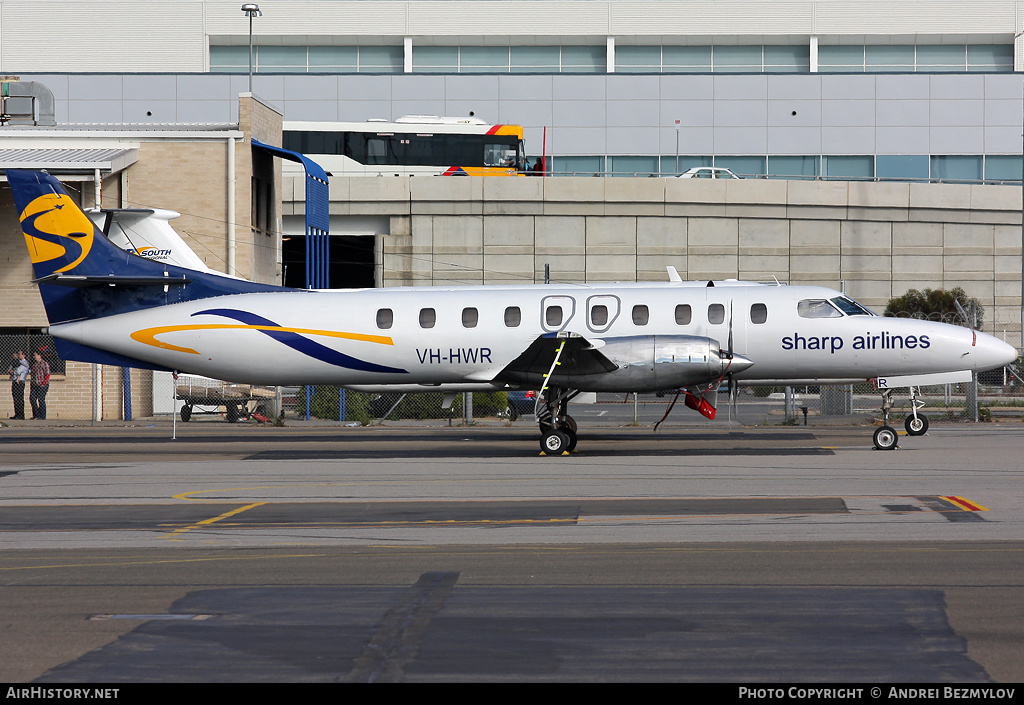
x,y
538,168
40,385
19,373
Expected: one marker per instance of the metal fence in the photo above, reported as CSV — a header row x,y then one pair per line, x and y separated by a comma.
x,y
30,341
337,404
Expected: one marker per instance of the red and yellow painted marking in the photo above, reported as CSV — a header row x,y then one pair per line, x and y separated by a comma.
x,y
965,504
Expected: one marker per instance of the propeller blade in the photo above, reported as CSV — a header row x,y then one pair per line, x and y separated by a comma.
x,y
730,353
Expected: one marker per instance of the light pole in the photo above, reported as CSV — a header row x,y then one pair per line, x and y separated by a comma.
x,y
251,10
1016,37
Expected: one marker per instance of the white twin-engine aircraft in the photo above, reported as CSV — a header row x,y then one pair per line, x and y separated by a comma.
x,y
109,305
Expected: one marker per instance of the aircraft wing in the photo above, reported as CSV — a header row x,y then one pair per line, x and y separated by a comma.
x,y
579,357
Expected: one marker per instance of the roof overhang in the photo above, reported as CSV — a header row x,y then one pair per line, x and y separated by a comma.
x,y
70,164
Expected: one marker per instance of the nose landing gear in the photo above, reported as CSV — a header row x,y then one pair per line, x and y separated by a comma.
x,y
916,424
886,437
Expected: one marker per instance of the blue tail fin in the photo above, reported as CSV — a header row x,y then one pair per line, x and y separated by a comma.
x,y
81,274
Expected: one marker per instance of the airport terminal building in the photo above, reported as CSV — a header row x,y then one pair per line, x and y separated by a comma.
x,y
881,141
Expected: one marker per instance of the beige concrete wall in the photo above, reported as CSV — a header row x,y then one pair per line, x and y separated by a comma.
x,y
257,255
191,178
880,238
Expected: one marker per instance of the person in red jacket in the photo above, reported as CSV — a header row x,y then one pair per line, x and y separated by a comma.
x,y
40,385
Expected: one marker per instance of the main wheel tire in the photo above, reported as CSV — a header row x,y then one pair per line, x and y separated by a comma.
x,y
916,426
572,441
886,438
554,443
186,412
233,413
568,425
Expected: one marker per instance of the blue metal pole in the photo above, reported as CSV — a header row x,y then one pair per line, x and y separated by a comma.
x,y
126,391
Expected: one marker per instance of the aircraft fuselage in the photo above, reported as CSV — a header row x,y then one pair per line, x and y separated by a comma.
x,y
465,335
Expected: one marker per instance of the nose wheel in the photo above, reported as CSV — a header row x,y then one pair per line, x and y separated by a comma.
x,y
916,425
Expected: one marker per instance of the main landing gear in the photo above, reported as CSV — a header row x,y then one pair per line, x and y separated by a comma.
x,y
886,437
557,428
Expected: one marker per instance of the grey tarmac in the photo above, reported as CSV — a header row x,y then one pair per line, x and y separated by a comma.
x,y
320,554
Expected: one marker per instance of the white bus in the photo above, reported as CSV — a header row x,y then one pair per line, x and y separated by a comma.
x,y
413,145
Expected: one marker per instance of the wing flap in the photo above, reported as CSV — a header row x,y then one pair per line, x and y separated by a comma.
x,y
580,357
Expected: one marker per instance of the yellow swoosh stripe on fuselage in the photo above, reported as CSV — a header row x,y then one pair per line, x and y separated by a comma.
x,y
147,336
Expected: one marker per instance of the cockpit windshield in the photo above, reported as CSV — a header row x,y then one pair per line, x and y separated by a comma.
x,y
831,308
850,307
817,308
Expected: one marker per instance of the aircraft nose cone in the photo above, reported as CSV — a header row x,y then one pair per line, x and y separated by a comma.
x,y
739,363
989,352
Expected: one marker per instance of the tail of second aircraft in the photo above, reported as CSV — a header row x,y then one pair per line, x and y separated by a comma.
x,y
81,274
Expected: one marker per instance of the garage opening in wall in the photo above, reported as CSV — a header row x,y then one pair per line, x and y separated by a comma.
x,y
351,261
352,251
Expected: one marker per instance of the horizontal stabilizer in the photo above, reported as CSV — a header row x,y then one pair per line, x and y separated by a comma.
x,y
68,350
80,280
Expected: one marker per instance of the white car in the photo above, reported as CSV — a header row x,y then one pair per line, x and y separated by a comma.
x,y
708,172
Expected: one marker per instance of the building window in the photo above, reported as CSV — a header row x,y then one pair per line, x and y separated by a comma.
x,y
848,167
956,168
708,59
509,59
909,58
308,59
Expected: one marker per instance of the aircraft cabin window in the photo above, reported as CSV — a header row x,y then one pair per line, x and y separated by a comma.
x,y
641,315
470,316
599,315
513,317
716,314
816,308
758,313
684,314
428,317
385,318
553,316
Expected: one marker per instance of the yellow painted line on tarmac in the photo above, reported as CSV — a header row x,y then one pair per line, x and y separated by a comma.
x,y
213,520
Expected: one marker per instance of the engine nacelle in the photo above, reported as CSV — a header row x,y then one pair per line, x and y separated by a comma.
x,y
647,363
